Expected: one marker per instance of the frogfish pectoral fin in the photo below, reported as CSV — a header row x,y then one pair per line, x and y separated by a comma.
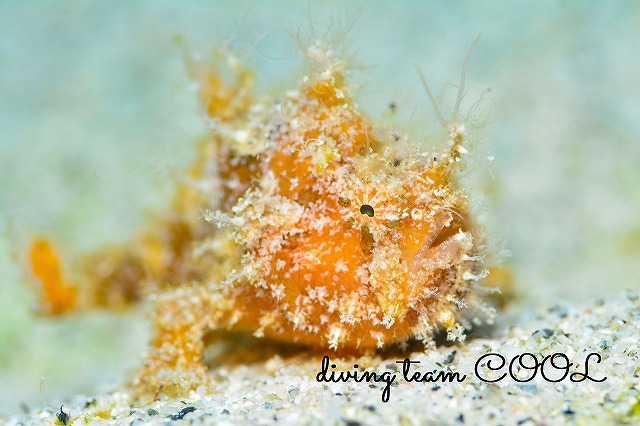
x,y
56,296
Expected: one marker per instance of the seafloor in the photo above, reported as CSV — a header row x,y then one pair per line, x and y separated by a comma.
x,y
286,391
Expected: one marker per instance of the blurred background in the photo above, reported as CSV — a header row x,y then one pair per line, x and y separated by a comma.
x,y
97,114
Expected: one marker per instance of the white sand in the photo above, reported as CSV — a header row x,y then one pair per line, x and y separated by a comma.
x,y
286,392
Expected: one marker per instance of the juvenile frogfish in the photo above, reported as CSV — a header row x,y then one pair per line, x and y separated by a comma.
x,y
319,228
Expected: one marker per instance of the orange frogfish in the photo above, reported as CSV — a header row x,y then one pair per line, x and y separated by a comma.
x,y
301,221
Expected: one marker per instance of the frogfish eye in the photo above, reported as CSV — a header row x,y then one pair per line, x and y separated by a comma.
x,y
366,209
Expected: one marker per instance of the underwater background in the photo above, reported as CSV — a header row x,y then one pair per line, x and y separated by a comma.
x,y
98,115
